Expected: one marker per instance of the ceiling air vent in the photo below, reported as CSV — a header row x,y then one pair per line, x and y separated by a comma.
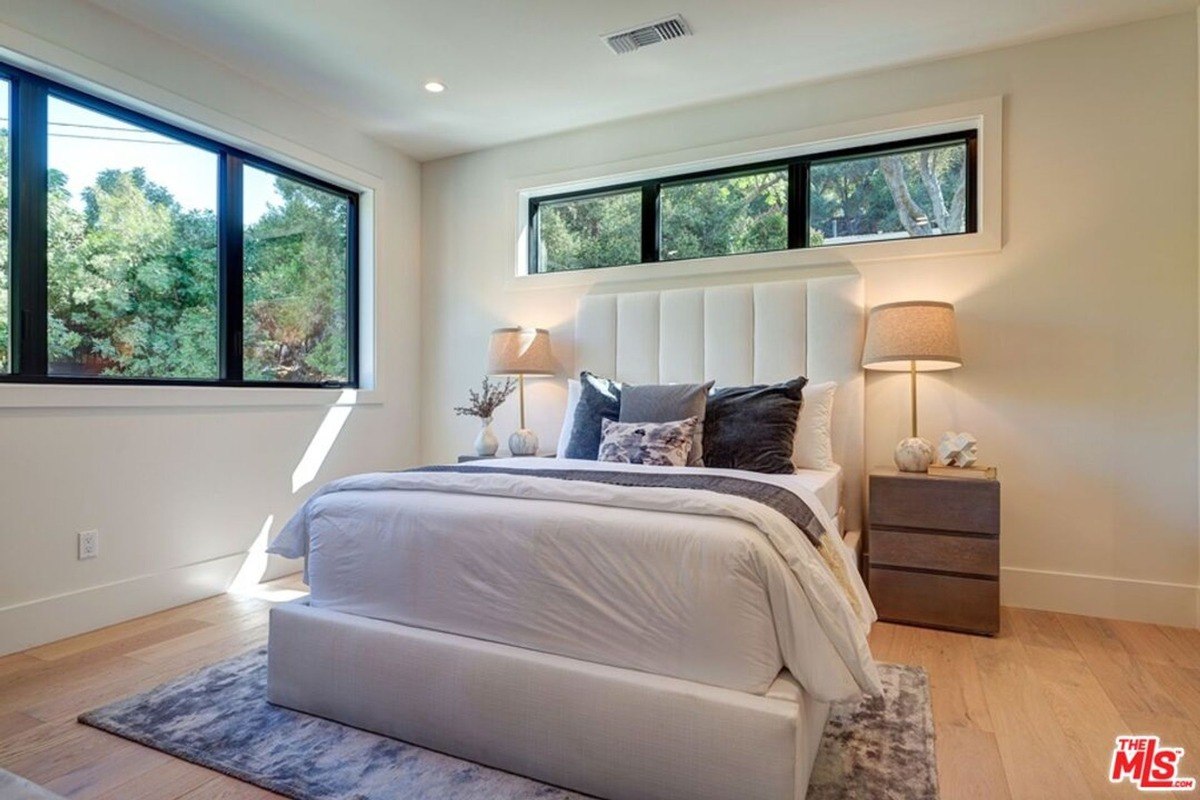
x,y
664,30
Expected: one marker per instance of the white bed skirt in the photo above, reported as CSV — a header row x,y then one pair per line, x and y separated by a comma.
x,y
601,730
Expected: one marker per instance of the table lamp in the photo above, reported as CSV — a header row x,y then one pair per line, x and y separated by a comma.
x,y
914,336
521,352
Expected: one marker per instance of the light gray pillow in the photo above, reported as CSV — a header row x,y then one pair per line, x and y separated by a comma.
x,y
659,444
668,402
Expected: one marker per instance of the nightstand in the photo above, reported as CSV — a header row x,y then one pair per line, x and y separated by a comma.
x,y
465,458
933,549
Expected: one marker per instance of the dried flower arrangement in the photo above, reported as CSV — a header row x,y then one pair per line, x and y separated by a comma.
x,y
483,403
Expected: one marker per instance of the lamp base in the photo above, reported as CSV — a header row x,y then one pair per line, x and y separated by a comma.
x,y
913,455
524,442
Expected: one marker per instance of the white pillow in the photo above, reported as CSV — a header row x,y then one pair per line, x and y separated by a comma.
x,y
574,388
813,446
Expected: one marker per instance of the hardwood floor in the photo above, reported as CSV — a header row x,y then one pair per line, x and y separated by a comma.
x,y
1029,714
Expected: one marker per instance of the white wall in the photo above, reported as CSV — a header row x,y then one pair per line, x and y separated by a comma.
x,y
1080,337
179,482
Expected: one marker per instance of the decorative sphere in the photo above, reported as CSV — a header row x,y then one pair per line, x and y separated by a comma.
x,y
913,455
523,442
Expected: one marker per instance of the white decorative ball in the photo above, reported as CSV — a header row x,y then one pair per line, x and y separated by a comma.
x,y
913,455
523,442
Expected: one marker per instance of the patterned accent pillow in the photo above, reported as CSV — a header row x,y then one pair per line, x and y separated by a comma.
x,y
659,444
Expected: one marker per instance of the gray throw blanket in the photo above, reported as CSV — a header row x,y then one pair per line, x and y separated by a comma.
x,y
778,498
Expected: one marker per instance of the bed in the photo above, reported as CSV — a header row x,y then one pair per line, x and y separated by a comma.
x,y
618,638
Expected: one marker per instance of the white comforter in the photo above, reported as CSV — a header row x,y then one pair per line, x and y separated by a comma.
x,y
694,584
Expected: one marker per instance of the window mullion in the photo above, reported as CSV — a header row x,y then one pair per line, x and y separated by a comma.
x,y
28,274
797,204
650,228
231,248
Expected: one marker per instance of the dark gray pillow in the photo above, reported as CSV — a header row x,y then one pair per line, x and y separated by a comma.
x,y
650,402
753,427
599,399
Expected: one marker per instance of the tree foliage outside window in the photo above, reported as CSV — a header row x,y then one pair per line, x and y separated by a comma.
x,y
897,196
598,231
743,214
919,187
295,284
132,273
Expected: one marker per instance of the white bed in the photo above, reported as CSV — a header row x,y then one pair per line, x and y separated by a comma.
x,y
695,597
624,643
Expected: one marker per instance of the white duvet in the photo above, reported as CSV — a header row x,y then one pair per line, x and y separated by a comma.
x,y
693,584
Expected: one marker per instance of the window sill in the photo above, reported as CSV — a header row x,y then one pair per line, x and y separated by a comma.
x,y
44,396
811,257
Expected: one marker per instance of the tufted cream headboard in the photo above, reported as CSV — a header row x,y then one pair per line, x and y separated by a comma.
x,y
740,335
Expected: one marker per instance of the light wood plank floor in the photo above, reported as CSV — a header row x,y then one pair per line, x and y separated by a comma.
x,y
1029,714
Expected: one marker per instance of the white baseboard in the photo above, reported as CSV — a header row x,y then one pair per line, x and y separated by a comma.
x,y
52,618
1101,596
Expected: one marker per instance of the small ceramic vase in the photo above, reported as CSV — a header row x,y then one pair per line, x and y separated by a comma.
x,y
486,443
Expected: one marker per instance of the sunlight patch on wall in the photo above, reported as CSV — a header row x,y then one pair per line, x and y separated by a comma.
x,y
322,441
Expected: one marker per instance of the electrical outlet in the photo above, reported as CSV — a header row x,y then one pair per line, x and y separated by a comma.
x,y
89,544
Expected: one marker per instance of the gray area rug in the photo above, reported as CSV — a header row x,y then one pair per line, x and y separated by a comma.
x,y
219,718
14,787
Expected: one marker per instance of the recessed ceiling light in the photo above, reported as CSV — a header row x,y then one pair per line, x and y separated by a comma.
x,y
435,87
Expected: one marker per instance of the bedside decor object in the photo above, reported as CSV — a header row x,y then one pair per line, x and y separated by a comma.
x,y
958,449
914,336
483,404
521,352
913,454
933,549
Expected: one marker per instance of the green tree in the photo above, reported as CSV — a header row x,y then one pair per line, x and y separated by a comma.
x,y
131,281
295,287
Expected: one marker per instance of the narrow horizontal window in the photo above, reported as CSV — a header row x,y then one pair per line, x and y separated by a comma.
x,y
133,251
724,216
896,195
602,230
904,189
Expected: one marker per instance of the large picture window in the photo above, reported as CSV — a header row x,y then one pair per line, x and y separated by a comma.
x,y
145,253
898,190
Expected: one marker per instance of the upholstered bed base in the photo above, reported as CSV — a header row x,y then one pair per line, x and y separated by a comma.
x,y
605,731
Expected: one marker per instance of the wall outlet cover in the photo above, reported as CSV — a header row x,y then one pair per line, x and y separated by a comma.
x,y
89,544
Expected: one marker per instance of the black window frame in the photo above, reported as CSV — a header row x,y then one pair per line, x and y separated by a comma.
x,y
798,194
29,95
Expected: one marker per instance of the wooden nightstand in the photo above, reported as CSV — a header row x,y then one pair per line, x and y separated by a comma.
x,y
933,549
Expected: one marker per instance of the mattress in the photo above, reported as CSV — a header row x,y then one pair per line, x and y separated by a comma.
x,y
693,596
826,484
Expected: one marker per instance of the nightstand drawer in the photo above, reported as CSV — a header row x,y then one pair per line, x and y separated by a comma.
x,y
974,555
943,601
902,501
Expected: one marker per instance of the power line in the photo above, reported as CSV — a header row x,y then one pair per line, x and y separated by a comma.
x,y
116,139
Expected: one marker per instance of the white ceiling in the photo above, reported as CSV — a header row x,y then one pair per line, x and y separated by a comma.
x,y
522,68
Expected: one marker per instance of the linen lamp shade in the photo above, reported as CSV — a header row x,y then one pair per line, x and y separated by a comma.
x,y
520,351
917,335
